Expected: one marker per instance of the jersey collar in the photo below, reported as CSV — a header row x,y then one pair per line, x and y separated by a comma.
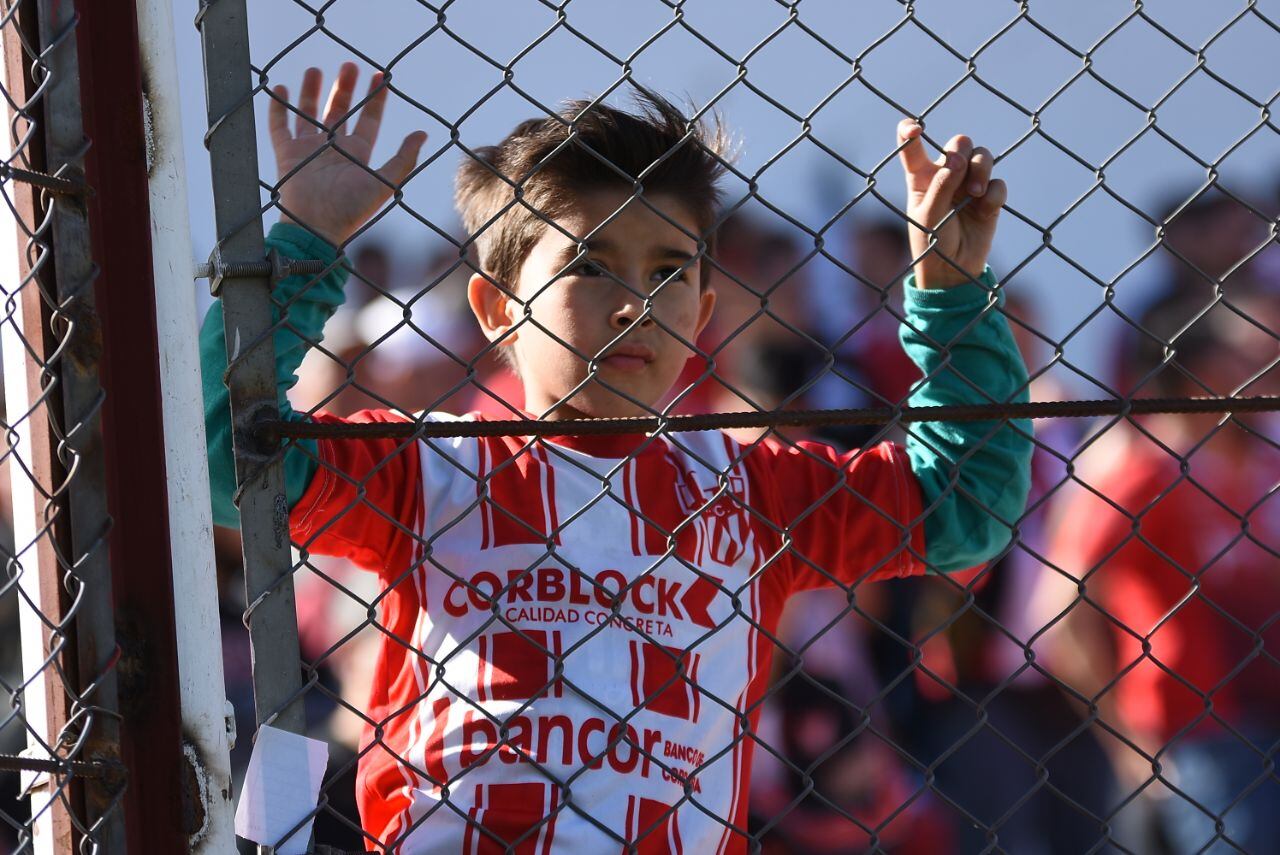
x,y
598,445
605,445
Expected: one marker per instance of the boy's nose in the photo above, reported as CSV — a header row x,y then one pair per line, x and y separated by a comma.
x,y
631,310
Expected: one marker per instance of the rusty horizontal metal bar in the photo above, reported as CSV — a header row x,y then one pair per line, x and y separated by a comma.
x,y
273,430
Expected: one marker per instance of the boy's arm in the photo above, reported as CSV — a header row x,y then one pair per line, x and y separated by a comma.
x,y
326,184
309,302
855,517
974,476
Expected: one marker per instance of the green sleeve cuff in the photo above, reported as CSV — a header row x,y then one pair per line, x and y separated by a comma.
x,y
296,242
975,294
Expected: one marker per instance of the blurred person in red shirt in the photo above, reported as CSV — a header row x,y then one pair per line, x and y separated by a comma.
x,y
1173,524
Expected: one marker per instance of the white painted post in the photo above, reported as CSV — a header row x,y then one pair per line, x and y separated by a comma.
x,y
203,692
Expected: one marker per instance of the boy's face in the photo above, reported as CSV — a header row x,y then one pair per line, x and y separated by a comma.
x,y
577,305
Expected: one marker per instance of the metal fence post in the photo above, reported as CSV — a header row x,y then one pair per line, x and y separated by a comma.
x,y
246,305
77,509
30,414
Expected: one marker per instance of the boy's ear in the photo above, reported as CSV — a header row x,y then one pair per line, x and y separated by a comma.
x,y
706,305
492,307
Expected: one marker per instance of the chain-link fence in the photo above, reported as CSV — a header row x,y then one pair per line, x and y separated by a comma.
x,y
59,732
655,629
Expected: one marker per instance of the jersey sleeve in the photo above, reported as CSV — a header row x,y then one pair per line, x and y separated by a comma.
x,y
365,501
975,476
845,518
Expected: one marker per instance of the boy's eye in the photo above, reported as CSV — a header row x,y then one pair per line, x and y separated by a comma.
x,y
589,268
676,274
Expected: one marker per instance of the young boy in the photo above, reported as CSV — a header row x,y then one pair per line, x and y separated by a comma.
x,y
578,630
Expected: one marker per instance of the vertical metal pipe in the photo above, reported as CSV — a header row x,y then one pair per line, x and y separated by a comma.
x,y
246,306
94,727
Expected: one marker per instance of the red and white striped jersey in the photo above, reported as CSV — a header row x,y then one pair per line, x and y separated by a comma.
x,y
578,628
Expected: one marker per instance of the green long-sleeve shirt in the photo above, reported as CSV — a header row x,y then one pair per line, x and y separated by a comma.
x,y
974,476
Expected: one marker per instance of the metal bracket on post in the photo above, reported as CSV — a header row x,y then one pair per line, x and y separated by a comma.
x,y
53,183
276,266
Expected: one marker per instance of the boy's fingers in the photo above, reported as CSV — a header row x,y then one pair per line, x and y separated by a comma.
x,y
278,116
960,144
938,199
308,101
397,169
371,114
340,95
980,164
911,149
989,204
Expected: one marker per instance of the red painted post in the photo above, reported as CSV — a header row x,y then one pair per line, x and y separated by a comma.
x,y
157,817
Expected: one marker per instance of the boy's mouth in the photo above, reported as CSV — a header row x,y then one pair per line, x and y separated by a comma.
x,y
628,358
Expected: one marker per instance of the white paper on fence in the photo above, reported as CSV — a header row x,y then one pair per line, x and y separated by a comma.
x,y
281,788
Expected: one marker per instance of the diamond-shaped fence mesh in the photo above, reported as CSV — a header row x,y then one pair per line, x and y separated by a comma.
x,y
615,569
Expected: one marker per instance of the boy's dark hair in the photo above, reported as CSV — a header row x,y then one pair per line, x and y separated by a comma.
x,y
607,143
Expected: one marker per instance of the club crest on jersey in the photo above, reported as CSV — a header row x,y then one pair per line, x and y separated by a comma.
x,y
721,510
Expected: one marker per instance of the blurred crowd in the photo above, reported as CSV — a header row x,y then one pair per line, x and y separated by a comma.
x,y
1112,683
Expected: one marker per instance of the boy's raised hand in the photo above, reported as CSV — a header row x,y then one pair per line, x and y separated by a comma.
x,y
934,189
334,193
